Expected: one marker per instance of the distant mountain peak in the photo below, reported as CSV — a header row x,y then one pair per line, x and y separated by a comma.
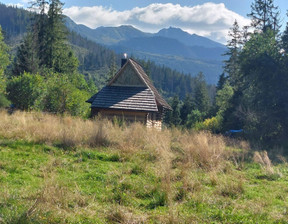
x,y
187,38
175,29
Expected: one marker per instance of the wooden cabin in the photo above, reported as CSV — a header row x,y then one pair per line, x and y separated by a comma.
x,y
130,96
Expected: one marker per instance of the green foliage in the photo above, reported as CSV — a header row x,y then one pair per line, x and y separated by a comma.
x,y
194,118
234,45
172,118
27,59
58,88
57,93
261,67
213,124
13,20
4,61
57,54
63,96
264,15
223,98
186,108
4,102
45,46
169,82
254,98
26,91
202,101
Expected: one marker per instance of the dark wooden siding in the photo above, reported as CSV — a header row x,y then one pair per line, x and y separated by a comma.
x,y
128,116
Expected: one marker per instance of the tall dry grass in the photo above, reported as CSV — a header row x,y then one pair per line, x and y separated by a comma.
x,y
202,149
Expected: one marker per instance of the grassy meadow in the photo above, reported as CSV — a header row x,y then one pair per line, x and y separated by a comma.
x,y
67,170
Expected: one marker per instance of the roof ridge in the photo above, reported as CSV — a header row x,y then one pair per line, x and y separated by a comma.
x,y
139,73
143,79
150,85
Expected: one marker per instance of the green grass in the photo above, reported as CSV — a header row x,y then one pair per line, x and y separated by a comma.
x,y
46,184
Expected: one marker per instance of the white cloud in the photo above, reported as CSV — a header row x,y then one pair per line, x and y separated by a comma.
x,y
18,5
209,19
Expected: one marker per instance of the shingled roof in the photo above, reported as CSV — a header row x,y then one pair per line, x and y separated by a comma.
x,y
144,97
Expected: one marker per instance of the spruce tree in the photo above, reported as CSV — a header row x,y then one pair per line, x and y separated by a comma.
x,y
221,82
55,35
49,36
201,98
233,50
186,108
26,59
284,39
264,15
38,27
172,118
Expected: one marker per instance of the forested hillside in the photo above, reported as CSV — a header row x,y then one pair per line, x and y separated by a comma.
x,y
13,21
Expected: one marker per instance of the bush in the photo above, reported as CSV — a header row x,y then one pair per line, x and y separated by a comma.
x,y
212,124
4,102
26,91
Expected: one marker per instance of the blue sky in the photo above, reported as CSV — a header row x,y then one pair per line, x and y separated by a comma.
x,y
211,19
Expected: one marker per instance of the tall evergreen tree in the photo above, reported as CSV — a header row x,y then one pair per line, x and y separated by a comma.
x,y
186,108
201,98
284,43
172,118
38,26
221,82
26,59
55,34
47,37
264,15
233,50
264,83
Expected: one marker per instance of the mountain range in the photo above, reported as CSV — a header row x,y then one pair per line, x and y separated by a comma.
x,y
170,47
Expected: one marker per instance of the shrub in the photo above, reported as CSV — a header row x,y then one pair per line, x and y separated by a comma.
x,y
4,102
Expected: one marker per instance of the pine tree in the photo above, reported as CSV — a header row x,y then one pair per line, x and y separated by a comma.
x,y
38,27
234,48
264,85
186,108
284,39
172,118
264,15
221,82
27,56
50,37
55,34
202,101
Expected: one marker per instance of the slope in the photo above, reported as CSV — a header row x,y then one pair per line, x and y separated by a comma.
x,y
170,47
